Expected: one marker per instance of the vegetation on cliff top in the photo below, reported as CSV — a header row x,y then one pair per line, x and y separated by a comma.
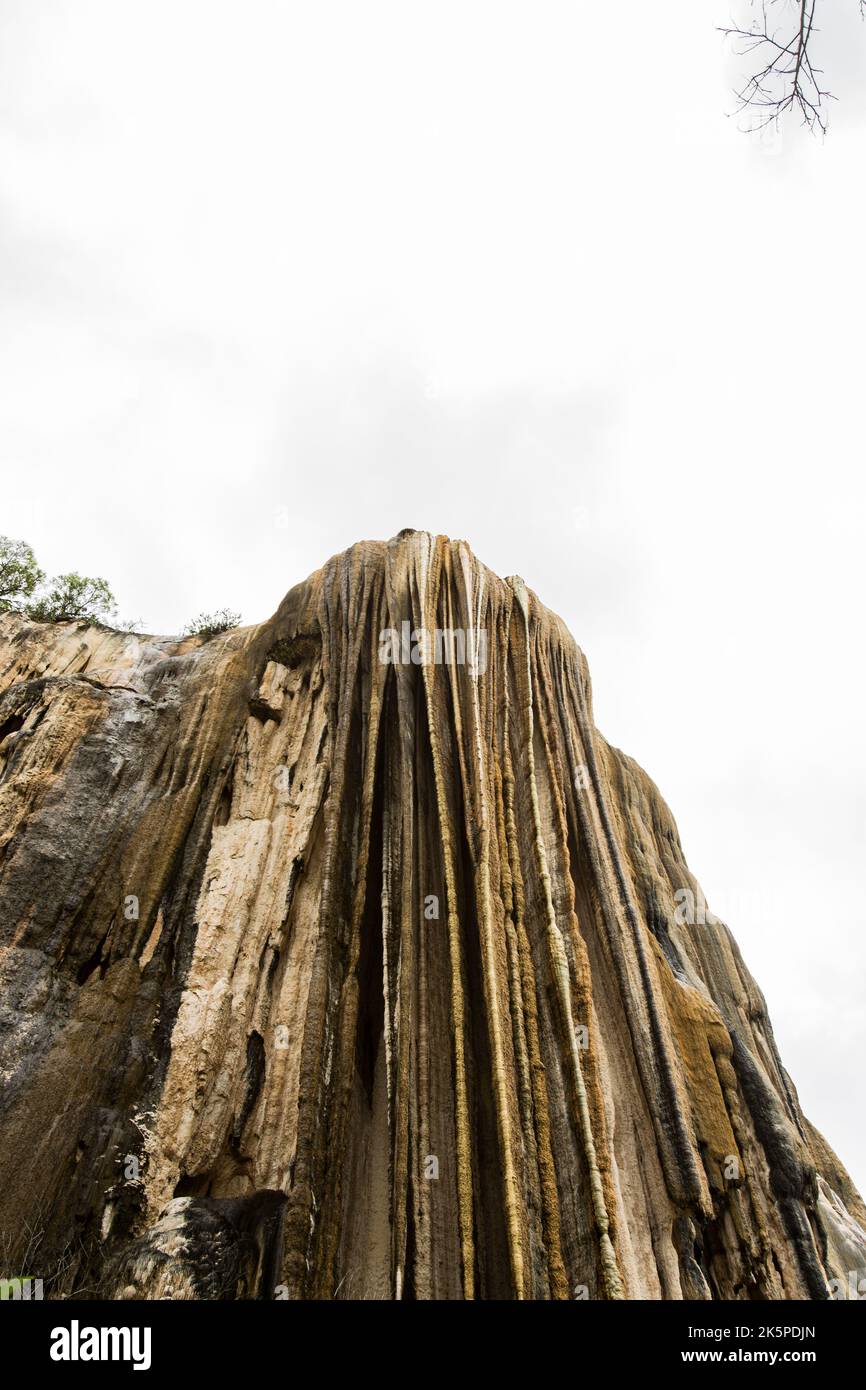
x,y
76,597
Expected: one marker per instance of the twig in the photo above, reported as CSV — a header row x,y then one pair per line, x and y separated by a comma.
x,y
788,79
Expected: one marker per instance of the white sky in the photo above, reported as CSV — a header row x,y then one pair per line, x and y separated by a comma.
x,y
502,270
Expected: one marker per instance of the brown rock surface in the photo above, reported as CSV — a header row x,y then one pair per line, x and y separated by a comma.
x,y
342,977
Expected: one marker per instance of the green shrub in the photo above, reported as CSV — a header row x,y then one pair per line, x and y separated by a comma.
x,y
19,574
208,625
72,597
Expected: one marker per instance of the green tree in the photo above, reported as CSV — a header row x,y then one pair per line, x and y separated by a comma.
x,y
73,596
19,574
211,624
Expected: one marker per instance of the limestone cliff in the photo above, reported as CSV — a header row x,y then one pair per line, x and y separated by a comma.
x,y
344,959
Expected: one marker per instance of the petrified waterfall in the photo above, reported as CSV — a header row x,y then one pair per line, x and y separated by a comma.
x,y
343,958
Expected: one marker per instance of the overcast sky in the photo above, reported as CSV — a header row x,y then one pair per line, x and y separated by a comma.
x,y
278,277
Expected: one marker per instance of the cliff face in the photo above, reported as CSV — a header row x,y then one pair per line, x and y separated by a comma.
x,y
344,960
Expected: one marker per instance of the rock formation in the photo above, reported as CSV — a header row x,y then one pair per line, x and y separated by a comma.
x,y
342,957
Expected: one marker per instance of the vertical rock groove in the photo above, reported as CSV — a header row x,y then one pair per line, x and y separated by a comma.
x,y
341,957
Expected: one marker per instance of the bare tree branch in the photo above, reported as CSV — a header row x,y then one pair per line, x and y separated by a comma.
x,y
788,79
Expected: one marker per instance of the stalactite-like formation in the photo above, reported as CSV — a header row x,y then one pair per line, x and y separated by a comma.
x,y
342,958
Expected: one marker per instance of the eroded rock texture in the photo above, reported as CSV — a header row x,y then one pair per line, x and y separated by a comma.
x,y
328,976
